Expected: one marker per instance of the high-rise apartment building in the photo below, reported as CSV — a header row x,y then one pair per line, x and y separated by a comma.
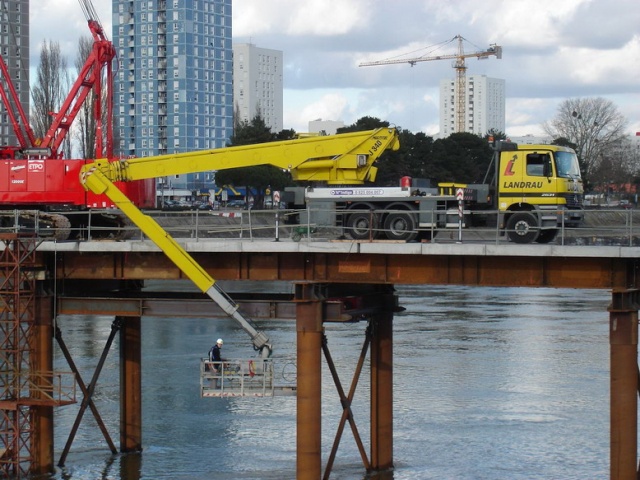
x,y
174,86
14,47
257,84
325,127
484,105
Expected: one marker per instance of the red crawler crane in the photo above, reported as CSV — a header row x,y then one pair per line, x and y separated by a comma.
x,y
35,179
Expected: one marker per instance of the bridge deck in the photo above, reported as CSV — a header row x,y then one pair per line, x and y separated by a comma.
x,y
603,267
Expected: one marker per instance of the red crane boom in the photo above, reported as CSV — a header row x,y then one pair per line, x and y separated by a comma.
x,y
90,78
11,100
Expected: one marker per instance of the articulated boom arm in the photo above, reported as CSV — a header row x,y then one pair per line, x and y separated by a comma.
x,y
93,179
336,159
361,148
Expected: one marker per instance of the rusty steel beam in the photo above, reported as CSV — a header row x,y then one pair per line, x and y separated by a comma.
x,y
623,341
522,271
382,391
189,307
130,385
42,357
309,333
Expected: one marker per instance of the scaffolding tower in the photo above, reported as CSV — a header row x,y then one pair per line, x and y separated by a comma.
x,y
23,387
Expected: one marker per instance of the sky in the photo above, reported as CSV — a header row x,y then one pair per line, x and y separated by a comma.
x,y
553,50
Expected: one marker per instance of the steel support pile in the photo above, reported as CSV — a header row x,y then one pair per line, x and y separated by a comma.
x,y
623,340
375,304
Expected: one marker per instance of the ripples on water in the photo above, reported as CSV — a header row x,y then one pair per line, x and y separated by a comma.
x,y
489,383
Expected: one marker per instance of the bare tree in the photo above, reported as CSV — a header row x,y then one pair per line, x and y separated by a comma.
x,y
620,166
594,125
86,127
48,92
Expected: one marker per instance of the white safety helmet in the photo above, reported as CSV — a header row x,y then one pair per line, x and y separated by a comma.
x,y
219,342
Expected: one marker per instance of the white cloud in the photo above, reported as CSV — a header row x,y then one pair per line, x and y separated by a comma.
x,y
525,24
598,67
328,106
254,20
295,18
552,51
327,18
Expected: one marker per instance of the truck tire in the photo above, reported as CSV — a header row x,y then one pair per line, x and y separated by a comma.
x,y
362,224
400,226
522,227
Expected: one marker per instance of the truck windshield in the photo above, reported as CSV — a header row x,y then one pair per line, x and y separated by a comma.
x,y
567,165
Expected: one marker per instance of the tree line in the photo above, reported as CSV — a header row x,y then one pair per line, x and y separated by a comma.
x,y
607,156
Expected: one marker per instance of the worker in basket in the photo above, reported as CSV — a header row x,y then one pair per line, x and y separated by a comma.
x,y
215,356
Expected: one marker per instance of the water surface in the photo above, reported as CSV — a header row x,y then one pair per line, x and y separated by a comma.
x,y
489,383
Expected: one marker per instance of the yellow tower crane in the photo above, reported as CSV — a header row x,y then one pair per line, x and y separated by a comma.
x,y
460,67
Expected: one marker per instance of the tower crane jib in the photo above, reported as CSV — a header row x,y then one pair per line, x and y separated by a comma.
x,y
460,67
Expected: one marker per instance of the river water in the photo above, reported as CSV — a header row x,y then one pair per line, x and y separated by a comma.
x,y
489,383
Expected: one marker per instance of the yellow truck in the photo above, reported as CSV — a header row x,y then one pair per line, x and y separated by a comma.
x,y
535,190
528,193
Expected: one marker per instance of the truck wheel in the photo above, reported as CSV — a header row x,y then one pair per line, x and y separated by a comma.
x,y
400,226
522,227
362,225
547,236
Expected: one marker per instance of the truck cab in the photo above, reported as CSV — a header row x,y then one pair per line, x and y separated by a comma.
x,y
539,189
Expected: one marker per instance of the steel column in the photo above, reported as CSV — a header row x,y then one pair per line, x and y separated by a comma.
x,y
382,390
130,385
309,333
623,340
42,361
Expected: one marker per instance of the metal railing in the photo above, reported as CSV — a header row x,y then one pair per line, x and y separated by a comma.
x,y
236,378
601,226
47,388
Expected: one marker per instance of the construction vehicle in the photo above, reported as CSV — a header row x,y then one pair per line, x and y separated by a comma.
x,y
39,189
529,192
336,159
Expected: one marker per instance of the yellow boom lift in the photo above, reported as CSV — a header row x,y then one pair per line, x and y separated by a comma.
x,y
345,159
